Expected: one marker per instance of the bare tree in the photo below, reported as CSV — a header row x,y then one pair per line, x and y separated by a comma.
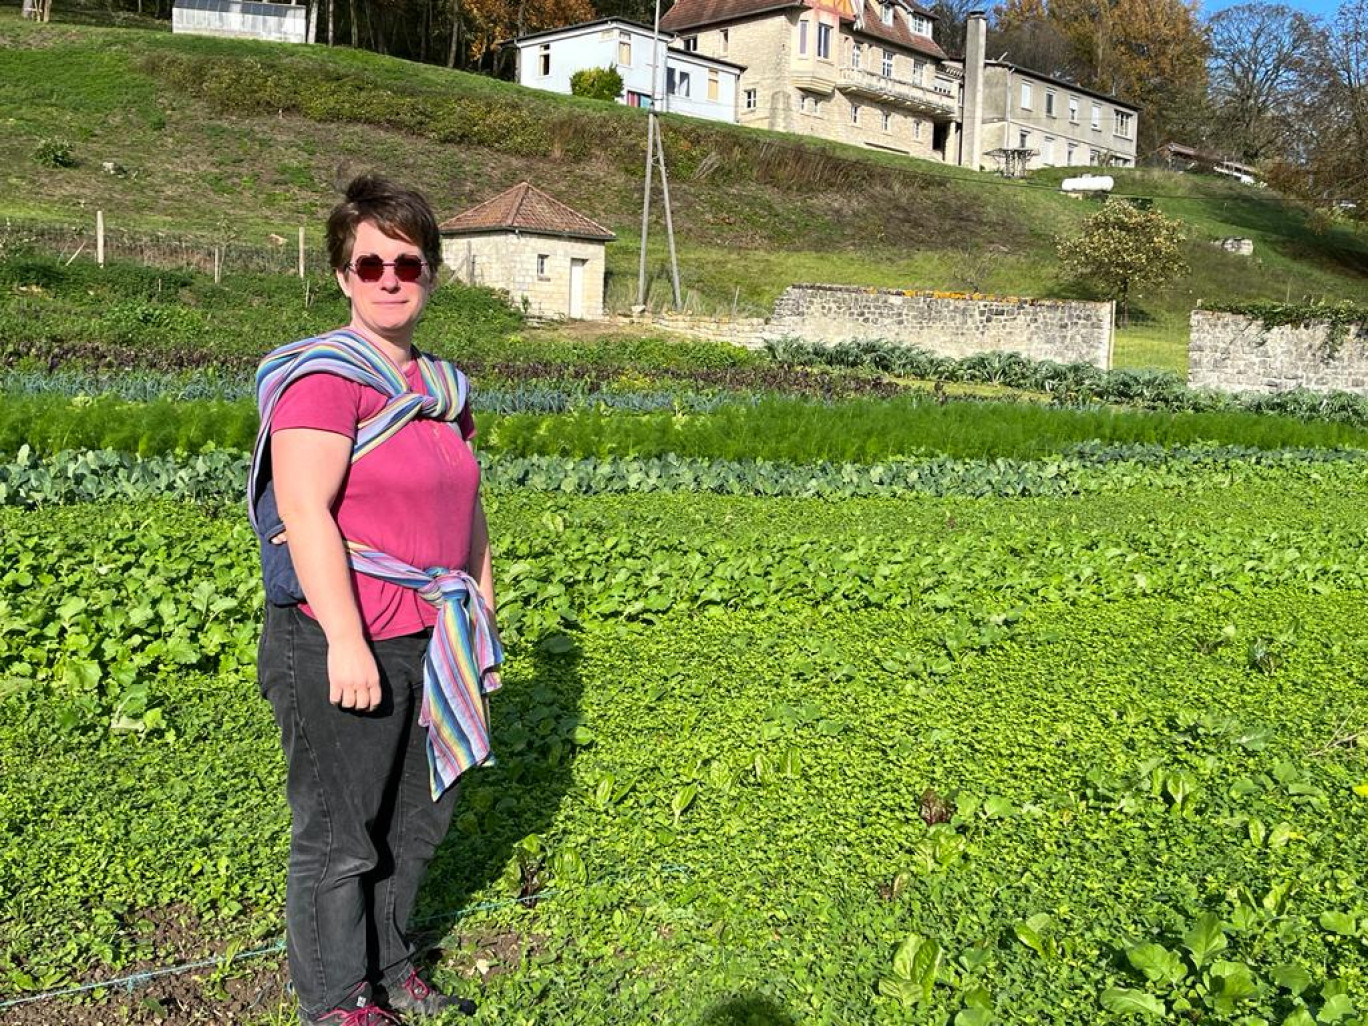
x,y
1258,52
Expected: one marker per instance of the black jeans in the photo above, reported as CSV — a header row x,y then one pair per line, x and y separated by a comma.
x,y
363,823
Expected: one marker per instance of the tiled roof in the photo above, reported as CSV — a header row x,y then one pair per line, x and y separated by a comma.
x,y
687,14
899,32
525,208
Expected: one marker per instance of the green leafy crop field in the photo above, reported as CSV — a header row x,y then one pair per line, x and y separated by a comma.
x,y
1072,759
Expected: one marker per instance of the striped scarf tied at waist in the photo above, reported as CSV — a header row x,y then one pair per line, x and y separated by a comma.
x,y
459,669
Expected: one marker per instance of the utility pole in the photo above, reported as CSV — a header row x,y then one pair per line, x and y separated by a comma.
x,y
655,153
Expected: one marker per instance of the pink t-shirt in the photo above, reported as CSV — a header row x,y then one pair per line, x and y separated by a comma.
x,y
413,497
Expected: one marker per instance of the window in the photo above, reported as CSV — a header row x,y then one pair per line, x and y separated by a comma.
x,y
544,60
1024,140
713,85
854,113
918,70
1049,103
1096,118
916,129
1025,95
725,38
886,14
676,82
635,99
805,104
1069,159
625,49
802,38
1073,109
749,98
1047,149
1094,158
543,259
824,41
855,52
886,69
887,121
1123,124
691,44
921,24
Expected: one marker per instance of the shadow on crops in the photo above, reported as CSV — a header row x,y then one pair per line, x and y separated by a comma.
x,y
746,1010
531,720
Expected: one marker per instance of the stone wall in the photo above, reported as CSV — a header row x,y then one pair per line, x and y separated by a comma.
x,y
948,325
1234,353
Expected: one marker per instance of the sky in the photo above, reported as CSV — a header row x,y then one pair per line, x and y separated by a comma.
x,y
1320,8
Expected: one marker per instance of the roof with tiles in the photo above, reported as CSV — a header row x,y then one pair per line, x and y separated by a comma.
x,y
899,32
689,14
686,14
525,208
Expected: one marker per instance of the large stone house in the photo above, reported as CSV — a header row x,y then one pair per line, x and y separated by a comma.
x,y
869,72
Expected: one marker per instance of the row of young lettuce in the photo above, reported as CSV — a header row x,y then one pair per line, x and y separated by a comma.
x,y
826,703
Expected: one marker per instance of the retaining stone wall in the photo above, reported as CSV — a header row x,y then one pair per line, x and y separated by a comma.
x,y
947,325
1234,353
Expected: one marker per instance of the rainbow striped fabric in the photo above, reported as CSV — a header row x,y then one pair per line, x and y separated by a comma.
x,y
461,664
459,669
352,356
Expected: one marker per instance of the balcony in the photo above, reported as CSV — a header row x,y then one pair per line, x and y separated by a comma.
x,y
814,76
899,92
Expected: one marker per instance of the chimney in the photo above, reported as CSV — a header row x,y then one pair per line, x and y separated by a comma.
x,y
975,43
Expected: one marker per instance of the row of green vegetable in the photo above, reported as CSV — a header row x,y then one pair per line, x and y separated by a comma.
x,y
794,430
1055,760
104,475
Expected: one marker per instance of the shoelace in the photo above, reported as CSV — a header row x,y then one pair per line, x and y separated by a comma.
x,y
417,987
368,1015
418,990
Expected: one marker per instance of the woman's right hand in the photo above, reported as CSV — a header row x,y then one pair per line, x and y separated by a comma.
x,y
353,677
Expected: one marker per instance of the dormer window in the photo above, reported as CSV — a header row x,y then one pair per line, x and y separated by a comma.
x,y
921,25
886,14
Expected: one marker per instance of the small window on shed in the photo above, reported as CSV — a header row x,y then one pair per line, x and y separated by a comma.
x,y
625,49
544,60
543,266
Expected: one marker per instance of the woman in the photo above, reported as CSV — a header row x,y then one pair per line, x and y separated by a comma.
x,y
364,450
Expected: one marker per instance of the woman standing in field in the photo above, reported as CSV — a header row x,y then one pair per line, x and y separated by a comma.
x,y
379,644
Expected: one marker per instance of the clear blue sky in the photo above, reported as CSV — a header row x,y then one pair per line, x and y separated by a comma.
x,y
1321,8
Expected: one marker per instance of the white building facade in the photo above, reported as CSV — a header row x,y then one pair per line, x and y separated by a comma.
x,y
685,83
243,19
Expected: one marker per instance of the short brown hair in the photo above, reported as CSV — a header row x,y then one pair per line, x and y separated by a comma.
x,y
399,213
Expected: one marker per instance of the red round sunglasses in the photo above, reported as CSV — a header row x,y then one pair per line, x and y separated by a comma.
x,y
371,268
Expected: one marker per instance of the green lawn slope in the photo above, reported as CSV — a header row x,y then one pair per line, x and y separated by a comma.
x,y
237,141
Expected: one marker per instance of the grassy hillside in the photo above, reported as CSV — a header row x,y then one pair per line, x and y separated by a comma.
x,y
238,141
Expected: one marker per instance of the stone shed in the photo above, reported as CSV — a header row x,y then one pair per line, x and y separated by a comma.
x,y
548,257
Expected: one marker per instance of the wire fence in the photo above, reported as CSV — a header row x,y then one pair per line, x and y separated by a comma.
x,y
72,241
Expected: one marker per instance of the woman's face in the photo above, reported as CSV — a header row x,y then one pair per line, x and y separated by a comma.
x,y
387,308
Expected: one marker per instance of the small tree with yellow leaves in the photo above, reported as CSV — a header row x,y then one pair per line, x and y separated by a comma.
x,y
1123,249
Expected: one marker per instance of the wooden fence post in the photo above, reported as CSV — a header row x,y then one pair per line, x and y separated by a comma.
x,y
99,237
301,251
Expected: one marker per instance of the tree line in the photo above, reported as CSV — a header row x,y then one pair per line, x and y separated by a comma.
x,y
1259,83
